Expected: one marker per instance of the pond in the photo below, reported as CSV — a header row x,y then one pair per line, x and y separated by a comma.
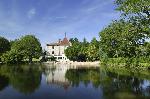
x,y
65,82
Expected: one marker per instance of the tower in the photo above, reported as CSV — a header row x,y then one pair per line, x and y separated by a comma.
x,y
65,35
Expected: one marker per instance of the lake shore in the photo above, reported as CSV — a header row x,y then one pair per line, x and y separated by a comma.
x,y
77,64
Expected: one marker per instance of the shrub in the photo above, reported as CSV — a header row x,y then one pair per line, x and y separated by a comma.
x,y
12,57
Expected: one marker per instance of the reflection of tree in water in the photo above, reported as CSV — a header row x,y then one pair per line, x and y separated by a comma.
x,y
4,82
113,85
24,79
120,86
75,76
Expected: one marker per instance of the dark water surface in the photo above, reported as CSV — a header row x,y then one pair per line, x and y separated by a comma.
x,y
63,82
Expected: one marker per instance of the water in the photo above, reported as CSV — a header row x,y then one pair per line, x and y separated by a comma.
x,y
64,82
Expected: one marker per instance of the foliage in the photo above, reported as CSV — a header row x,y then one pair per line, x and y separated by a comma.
x,y
138,7
126,38
29,46
138,12
4,45
121,39
93,50
12,57
83,51
72,51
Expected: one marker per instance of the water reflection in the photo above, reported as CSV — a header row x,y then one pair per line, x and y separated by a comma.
x,y
70,82
25,79
75,76
4,82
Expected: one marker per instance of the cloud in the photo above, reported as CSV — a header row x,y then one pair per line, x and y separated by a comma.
x,y
97,5
31,13
57,18
61,17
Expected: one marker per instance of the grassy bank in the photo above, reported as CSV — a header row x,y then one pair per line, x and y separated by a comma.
x,y
130,63
139,73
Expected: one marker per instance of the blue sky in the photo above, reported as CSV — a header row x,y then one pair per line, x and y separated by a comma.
x,y
48,20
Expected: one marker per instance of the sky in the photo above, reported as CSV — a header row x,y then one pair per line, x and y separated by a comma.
x,y
48,20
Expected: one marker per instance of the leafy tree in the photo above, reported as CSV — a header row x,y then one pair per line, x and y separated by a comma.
x,y
29,46
74,40
93,50
147,49
121,39
140,8
13,42
82,55
12,56
4,45
78,50
72,51
138,12
83,51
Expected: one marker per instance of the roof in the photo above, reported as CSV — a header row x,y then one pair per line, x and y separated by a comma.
x,y
53,44
64,42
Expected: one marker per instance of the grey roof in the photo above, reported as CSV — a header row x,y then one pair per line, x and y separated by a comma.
x,y
53,44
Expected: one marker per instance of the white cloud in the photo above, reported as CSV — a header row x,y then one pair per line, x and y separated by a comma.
x,y
31,13
96,5
61,17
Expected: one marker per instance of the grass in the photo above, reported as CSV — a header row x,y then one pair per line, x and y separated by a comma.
x,y
132,63
139,73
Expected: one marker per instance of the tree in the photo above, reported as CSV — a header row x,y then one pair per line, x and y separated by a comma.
x,y
121,39
82,55
4,45
29,46
12,56
78,50
93,50
72,51
138,12
140,8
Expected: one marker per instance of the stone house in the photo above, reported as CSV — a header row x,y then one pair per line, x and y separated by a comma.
x,y
57,49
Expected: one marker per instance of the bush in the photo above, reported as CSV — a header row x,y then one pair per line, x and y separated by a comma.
x,y
11,57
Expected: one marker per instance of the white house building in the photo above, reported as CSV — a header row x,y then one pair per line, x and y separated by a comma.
x,y
57,49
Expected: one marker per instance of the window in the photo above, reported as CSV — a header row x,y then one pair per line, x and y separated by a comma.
x,y
52,52
59,57
52,47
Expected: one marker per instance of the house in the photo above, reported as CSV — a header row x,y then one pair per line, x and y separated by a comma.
x,y
57,49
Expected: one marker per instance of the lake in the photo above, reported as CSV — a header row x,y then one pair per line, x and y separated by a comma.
x,y
65,82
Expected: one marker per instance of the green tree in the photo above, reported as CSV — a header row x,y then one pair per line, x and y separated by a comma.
x,y
121,39
72,51
82,55
140,8
93,50
12,57
4,45
78,50
138,12
29,46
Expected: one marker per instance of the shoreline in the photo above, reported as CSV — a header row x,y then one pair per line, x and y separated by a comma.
x,y
77,64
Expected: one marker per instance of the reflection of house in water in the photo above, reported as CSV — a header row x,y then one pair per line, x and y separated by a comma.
x,y
57,76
